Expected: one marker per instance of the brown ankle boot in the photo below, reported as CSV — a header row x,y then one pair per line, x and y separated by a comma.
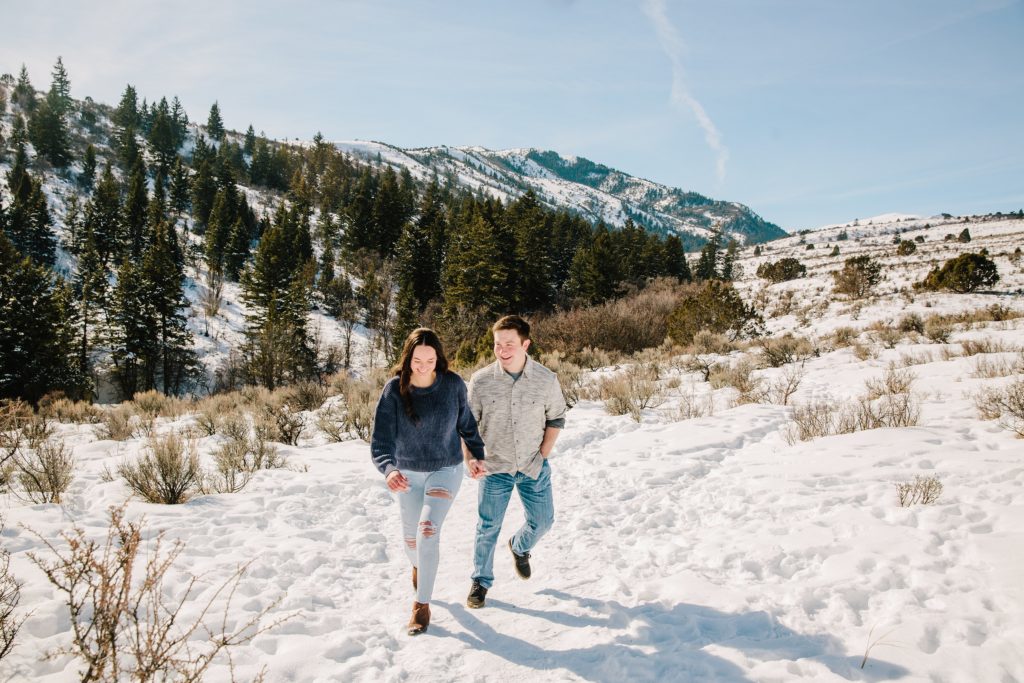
x,y
420,618
415,578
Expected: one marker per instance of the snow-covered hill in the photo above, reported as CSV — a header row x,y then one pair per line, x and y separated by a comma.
x,y
577,184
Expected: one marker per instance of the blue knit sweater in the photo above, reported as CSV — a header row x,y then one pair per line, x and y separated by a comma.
x,y
433,441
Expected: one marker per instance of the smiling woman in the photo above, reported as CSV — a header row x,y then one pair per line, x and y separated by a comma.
x,y
422,420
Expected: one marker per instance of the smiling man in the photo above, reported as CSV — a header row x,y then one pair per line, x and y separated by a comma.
x,y
519,407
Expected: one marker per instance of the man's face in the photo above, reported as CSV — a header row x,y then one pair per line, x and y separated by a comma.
x,y
510,350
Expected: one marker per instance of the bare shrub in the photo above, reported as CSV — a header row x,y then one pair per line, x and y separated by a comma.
x,y
212,296
169,474
921,491
889,402
812,420
213,411
705,351
949,352
691,406
1005,405
44,470
844,336
74,412
594,358
237,460
974,347
894,381
571,377
355,412
627,324
988,368
306,395
631,392
117,424
740,377
279,420
864,351
938,329
779,351
910,359
154,404
331,421
886,335
10,596
124,623
783,388
911,322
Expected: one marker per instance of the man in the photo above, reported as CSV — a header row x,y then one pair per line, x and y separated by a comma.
x,y
520,410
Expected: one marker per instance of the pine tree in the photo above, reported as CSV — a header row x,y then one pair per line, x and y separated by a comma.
x,y
104,220
134,220
179,123
250,141
181,187
91,298
729,261
359,233
707,264
24,94
277,347
35,331
60,89
162,138
237,250
88,178
390,213
533,285
175,365
204,192
675,258
127,113
214,124
474,276
49,132
132,348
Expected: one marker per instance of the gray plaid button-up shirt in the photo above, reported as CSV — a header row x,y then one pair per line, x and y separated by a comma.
x,y
513,413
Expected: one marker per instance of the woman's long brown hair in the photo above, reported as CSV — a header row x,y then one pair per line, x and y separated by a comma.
x,y
421,336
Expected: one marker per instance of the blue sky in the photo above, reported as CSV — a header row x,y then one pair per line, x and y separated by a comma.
x,y
808,111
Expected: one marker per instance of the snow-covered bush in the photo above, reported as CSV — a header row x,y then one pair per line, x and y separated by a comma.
x,y
44,471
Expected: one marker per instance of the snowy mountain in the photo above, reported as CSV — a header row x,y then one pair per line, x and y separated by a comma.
x,y
593,190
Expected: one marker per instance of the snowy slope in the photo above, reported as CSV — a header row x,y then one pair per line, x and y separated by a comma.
x,y
612,197
683,550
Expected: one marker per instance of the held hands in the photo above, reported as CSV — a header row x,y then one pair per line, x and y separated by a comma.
x,y
397,482
476,468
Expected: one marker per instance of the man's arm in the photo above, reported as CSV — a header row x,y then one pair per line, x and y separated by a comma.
x,y
548,443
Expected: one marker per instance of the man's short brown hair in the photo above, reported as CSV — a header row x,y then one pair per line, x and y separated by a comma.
x,y
513,322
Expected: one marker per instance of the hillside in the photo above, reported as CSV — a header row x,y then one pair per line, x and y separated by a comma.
x,y
580,185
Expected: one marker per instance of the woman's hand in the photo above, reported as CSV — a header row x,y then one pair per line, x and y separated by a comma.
x,y
397,482
476,468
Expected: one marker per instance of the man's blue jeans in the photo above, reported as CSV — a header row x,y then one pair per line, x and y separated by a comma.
x,y
493,496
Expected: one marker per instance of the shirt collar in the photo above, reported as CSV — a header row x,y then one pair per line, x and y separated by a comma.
x,y
500,371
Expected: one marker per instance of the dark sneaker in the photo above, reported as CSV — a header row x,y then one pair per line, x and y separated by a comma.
x,y
477,595
522,562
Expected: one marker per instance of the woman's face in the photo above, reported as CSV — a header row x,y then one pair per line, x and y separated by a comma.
x,y
424,360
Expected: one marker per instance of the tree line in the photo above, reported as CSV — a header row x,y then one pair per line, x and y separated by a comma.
x,y
158,195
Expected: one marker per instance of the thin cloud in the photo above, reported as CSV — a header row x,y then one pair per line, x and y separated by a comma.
x,y
681,97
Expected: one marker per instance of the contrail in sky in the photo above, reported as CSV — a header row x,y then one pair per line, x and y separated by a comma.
x,y
672,44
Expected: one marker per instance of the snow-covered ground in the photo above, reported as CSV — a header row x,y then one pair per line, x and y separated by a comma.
x,y
709,549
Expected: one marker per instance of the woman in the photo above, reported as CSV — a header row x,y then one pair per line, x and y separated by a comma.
x,y
422,418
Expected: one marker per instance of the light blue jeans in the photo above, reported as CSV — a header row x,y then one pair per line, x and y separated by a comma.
x,y
493,495
424,507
